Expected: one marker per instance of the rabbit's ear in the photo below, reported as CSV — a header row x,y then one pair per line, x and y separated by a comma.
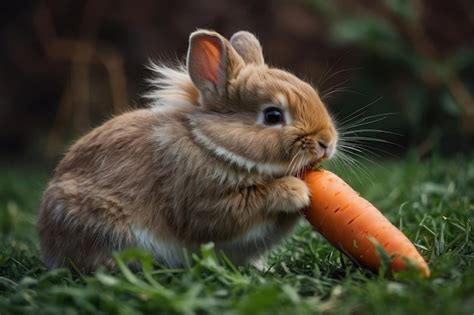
x,y
211,63
248,47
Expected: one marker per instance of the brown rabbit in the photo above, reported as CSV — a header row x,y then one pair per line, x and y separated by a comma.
x,y
214,159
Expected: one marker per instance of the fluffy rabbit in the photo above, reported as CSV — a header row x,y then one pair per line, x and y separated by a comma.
x,y
216,158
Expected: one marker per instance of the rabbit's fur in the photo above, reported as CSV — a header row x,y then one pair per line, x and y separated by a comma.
x,y
200,165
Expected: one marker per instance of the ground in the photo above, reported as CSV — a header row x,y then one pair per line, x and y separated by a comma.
x,y
431,201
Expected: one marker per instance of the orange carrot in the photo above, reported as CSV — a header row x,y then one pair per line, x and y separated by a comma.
x,y
351,223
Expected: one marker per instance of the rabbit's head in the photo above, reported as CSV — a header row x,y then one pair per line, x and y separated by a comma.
x,y
257,117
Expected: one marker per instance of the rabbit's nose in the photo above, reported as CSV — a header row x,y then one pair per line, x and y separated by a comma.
x,y
323,144
328,148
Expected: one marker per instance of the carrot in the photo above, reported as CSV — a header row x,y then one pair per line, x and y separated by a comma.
x,y
351,223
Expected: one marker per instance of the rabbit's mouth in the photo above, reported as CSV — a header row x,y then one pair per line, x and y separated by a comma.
x,y
311,162
317,158
315,149
316,165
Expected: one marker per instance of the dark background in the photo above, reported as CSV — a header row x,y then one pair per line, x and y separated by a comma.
x,y
65,66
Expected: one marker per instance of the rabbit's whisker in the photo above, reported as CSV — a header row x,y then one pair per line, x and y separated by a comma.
x,y
358,113
293,164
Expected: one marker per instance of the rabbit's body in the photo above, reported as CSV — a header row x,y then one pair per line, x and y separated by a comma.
x,y
199,166
120,186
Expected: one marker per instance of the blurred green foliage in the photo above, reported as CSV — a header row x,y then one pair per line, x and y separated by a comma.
x,y
428,82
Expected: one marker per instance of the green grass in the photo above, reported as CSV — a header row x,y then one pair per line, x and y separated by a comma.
x,y
431,201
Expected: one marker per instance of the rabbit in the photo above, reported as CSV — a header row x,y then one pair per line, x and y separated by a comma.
x,y
216,157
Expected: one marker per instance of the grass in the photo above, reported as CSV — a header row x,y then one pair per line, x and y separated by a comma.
x,y
431,201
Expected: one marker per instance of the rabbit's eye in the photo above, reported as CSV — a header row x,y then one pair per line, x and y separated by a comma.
x,y
273,116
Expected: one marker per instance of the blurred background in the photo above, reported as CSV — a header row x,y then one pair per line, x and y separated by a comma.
x,y
66,66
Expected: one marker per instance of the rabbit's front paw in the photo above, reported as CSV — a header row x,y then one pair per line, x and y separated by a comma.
x,y
292,194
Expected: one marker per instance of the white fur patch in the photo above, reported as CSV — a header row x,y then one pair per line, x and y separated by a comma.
x,y
251,245
171,106
259,235
263,168
165,252
169,84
